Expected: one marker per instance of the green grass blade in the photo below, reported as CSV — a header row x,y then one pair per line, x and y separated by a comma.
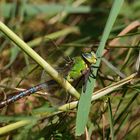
x,y
49,9
85,100
14,126
111,119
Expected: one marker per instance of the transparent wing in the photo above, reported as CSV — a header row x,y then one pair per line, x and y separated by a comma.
x,y
53,92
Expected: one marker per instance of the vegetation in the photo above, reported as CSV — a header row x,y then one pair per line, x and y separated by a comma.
x,y
52,42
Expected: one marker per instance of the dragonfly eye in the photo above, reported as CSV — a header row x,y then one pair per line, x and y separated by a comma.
x,y
90,57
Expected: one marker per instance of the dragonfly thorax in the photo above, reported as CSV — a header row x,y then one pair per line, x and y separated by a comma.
x,y
80,65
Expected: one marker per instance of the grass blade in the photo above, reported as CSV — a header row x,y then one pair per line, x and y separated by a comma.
x,y
110,119
49,9
85,100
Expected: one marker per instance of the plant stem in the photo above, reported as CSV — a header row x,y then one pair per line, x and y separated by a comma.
x,y
47,67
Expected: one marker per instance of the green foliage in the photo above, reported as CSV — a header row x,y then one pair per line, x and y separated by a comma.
x,y
59,33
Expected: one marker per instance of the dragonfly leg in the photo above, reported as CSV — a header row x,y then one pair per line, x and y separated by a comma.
x,y
92,74
94,66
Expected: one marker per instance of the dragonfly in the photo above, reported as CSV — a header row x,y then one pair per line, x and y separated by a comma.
x,y
80,66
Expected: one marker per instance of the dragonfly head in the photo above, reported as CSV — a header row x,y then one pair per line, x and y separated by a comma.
x,y
90,57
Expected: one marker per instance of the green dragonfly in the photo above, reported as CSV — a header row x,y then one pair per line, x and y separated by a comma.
x,y
79,67
81,64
